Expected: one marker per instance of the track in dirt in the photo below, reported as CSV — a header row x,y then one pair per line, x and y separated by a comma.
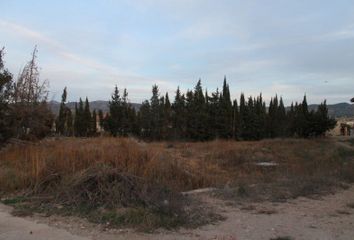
x,y
331,217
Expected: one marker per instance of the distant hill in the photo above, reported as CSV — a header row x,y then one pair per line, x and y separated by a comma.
x,y
98,105
338,110
334,110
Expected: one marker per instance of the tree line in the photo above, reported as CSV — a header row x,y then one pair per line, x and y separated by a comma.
x,y
193,115
196,115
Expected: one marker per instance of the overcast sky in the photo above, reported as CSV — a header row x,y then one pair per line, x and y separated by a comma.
x,y
284,47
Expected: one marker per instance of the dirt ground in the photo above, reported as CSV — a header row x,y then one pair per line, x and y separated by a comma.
x,y
328,217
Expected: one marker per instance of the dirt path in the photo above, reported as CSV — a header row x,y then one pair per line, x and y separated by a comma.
x,y
15,228
301,219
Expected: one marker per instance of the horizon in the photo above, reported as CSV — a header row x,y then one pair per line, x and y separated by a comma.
x,y
289,49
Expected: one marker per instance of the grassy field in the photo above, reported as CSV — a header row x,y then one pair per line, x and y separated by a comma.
x,y
145,179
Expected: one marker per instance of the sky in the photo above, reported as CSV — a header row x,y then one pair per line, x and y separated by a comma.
x,y
284,47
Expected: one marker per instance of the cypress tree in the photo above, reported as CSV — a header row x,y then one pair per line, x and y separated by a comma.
x,y
76,122
167,117
303,119
81,119
114,121
69,123
225,112
86,119
155,113
101,119
126,124
189,114
290,118
178,115
93,127
61,119
215,121
250,121
235,120
282,121
145,120
260,117
243,117
321,121
198,126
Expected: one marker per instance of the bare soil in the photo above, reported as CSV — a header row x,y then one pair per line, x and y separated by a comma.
x,y
326,217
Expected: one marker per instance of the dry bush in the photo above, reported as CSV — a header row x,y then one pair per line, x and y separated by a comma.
x,y
33,164
183,167
87,175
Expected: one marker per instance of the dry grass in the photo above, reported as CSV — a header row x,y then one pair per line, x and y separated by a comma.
x,y
82,171
182,167
27,166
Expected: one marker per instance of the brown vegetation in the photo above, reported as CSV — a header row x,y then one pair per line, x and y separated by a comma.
x,y
179,166
111,173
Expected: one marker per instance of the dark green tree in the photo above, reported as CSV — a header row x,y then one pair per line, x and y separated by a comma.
x,y
60,122
179,115
93,125
6,90
87,118
115,117
101,119
226,112
235,120
243,118
197,112
145,120
80,125
155,111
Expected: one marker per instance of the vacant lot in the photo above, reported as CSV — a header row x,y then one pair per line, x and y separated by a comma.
x,y
128,183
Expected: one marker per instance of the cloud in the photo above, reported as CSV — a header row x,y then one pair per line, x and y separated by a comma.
x,y
61,50
109,75
273,46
